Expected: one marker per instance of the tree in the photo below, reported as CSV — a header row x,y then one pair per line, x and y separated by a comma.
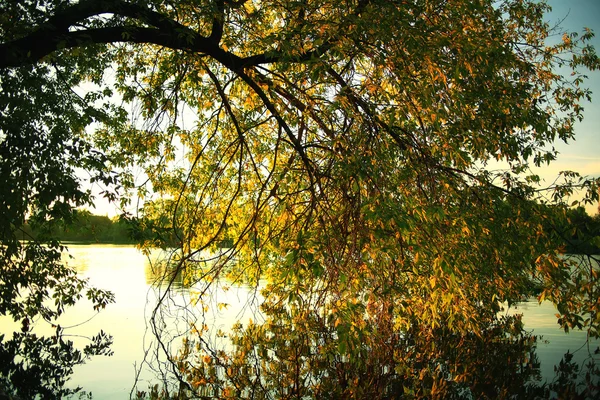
x,y
340,148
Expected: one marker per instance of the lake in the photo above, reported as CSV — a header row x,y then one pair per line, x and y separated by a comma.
x,y
129,275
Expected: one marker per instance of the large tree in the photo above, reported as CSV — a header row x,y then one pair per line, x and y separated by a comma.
x,y
340,149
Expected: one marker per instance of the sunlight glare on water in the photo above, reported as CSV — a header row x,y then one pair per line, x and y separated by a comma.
x,y
129,274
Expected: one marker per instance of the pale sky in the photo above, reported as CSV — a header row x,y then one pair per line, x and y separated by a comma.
x,y
582,155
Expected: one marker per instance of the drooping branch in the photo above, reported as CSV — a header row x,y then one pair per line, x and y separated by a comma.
x,y
44,42
362,107
69,16
57,33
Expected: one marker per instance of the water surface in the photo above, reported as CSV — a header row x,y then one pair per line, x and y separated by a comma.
x,y
129,275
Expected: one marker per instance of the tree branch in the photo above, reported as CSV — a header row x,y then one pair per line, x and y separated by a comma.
x,y
55,35
33,48
216,32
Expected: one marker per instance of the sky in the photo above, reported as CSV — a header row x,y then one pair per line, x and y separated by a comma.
x,y
581,155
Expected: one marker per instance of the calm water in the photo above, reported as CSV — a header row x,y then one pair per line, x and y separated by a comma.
x,y
129,274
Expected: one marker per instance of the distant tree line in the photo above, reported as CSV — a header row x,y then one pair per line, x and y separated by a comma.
x,y
88,228
582,234
581,231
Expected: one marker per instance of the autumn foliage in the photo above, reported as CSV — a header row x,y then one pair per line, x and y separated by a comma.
x,y
344,152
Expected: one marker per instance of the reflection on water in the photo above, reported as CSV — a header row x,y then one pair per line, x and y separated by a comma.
x,y
162,269
554,342
138,280
131,274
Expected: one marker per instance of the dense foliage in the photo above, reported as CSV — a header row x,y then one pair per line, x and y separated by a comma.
x,y
342,150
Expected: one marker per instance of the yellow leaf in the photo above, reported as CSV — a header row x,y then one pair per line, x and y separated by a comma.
x,y
432,281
